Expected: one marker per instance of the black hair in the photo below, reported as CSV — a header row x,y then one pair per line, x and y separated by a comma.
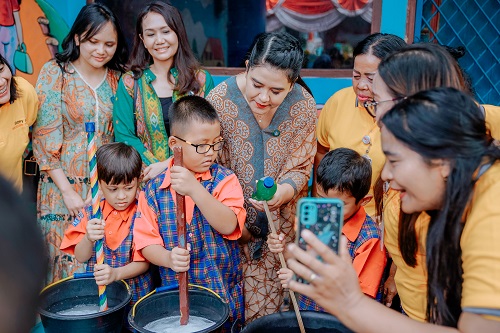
x,y
412,69
23,262
184,60
118,163
88,23
279,50
14,92
346,171
190,108
379,45
445,123
419,67
458,52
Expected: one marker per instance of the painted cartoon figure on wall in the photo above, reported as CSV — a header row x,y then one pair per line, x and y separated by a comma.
x,y
47,22
11,30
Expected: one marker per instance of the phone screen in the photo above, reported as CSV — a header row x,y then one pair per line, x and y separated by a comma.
x,y
323,217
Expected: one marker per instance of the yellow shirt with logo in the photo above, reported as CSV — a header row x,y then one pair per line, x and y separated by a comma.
x,y
15,121
343,125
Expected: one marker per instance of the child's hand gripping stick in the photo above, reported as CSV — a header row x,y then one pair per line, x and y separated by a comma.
x,y
265,190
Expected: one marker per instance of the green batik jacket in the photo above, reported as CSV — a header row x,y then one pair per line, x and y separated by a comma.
x,y
141,125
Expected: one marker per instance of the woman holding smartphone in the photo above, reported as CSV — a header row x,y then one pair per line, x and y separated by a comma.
x,y
442,160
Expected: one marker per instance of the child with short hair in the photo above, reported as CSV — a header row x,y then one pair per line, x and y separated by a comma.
x,y
118,170
346,175
214,209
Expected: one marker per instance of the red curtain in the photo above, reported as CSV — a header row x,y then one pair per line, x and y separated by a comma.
x,y
318,6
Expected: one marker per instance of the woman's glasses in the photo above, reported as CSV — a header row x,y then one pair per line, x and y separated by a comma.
x,y
204,147
371,107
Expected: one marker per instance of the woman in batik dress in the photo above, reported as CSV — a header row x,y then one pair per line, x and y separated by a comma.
x,y
76,87
268,124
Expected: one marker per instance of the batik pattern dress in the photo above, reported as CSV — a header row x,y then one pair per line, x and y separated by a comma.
x,y
60,142
285,151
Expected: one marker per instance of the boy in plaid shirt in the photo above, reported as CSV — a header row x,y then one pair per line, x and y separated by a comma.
x,y
118,170
346,175
214,209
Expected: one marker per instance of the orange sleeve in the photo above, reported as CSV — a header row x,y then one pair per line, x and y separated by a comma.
x,y
146,231
230,193
75,233
369,262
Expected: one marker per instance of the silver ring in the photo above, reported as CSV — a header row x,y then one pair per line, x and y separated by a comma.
x,y
312,277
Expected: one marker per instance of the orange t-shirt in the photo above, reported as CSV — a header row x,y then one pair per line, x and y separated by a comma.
x,y
369,259
228,191
116,229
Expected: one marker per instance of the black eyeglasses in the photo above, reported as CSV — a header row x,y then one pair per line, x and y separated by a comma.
x,y
204,147
371,107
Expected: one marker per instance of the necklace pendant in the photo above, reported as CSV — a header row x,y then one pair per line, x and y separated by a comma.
x,y
366,140
368,158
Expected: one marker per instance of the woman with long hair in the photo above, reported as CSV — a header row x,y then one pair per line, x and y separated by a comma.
x,y
163,69
442,161
415,68
76,87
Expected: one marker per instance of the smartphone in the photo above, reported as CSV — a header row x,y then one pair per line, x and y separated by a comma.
x,y
324,217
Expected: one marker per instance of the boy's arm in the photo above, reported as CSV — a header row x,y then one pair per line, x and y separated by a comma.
x,y
228,196
223,209
75,241
84,249
369,263
218,215
104,274
177,259
149,243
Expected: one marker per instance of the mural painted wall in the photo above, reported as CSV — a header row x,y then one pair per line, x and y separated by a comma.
x,y
32,30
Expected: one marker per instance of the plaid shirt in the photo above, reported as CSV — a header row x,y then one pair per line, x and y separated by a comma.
x,y
140,285
214,260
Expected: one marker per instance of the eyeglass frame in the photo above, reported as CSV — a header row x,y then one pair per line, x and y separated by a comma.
x,y
374,104
210,146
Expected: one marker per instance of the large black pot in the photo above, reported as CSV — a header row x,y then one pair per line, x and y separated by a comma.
x,y
165,303
80,290
286,322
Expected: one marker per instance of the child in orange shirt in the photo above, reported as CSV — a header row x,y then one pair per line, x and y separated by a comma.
x,y
214,209
344,174
118,169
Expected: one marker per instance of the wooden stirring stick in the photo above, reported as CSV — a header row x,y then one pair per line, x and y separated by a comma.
x,y
283,264
181,236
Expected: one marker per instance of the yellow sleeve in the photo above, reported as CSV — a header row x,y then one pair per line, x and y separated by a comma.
x,y
492,116
29,98
480,243
324,125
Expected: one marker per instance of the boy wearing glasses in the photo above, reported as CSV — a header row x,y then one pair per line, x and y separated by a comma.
x,y
214,209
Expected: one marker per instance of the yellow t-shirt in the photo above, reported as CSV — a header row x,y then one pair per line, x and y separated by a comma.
x,y
480,243
15,120
342,124
411,282
492,115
